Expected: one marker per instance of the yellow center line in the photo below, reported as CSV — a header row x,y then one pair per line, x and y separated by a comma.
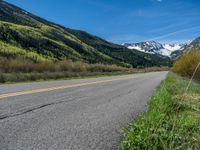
x,y
59,87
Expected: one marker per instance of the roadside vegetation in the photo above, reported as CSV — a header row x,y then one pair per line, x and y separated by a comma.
x,y
187,64
172,121
23,65
22,69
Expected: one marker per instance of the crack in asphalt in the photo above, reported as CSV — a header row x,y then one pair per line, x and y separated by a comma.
x,y
21,112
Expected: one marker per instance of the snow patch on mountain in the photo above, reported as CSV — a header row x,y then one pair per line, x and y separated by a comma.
x,y
165,52
173,47
139,49
154,47
135,47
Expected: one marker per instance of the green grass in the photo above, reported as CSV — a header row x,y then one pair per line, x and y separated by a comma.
x,y
10,78
94,71
172,121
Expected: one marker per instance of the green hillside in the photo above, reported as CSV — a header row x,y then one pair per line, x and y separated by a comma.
x,y
24,34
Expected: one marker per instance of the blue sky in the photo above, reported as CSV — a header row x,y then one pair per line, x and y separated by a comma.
x,y
122,21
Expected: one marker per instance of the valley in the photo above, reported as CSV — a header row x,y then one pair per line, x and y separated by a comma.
x,y
99,75
37,39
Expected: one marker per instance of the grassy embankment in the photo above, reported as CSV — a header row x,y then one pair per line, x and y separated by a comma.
x,y
173,119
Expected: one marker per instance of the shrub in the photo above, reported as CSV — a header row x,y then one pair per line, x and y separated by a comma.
x,y
24,65
18,64
187,64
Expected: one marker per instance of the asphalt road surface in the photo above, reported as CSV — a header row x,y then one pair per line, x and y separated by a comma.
x,y
82,114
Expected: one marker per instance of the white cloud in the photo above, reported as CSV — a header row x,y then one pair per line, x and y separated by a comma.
x,y
163,28
176,33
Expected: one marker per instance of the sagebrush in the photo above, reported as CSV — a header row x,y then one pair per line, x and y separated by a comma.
x,y
187,64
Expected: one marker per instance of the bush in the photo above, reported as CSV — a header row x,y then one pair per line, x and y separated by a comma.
x,y
23,65
187,64
19,64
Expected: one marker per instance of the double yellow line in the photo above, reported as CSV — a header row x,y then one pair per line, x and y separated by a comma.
x,y
59,88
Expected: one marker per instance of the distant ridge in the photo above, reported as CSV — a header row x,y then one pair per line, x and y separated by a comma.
x,y
195,44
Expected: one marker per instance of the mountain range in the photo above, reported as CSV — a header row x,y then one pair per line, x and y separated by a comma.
x,y
153,47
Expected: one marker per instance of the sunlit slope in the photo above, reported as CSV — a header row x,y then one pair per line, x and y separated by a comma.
x,y
40,39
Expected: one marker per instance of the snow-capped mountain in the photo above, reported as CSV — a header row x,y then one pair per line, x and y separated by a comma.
x,y
154,47
195,44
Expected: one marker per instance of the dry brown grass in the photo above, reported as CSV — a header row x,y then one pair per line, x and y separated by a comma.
x,y
23,65
187,64
22,69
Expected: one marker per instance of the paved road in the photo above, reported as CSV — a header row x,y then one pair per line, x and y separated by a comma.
x,y
78,114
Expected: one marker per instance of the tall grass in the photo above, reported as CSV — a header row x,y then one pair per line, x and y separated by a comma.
x,y
18,69
46,76
21,68
23,65
187,64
